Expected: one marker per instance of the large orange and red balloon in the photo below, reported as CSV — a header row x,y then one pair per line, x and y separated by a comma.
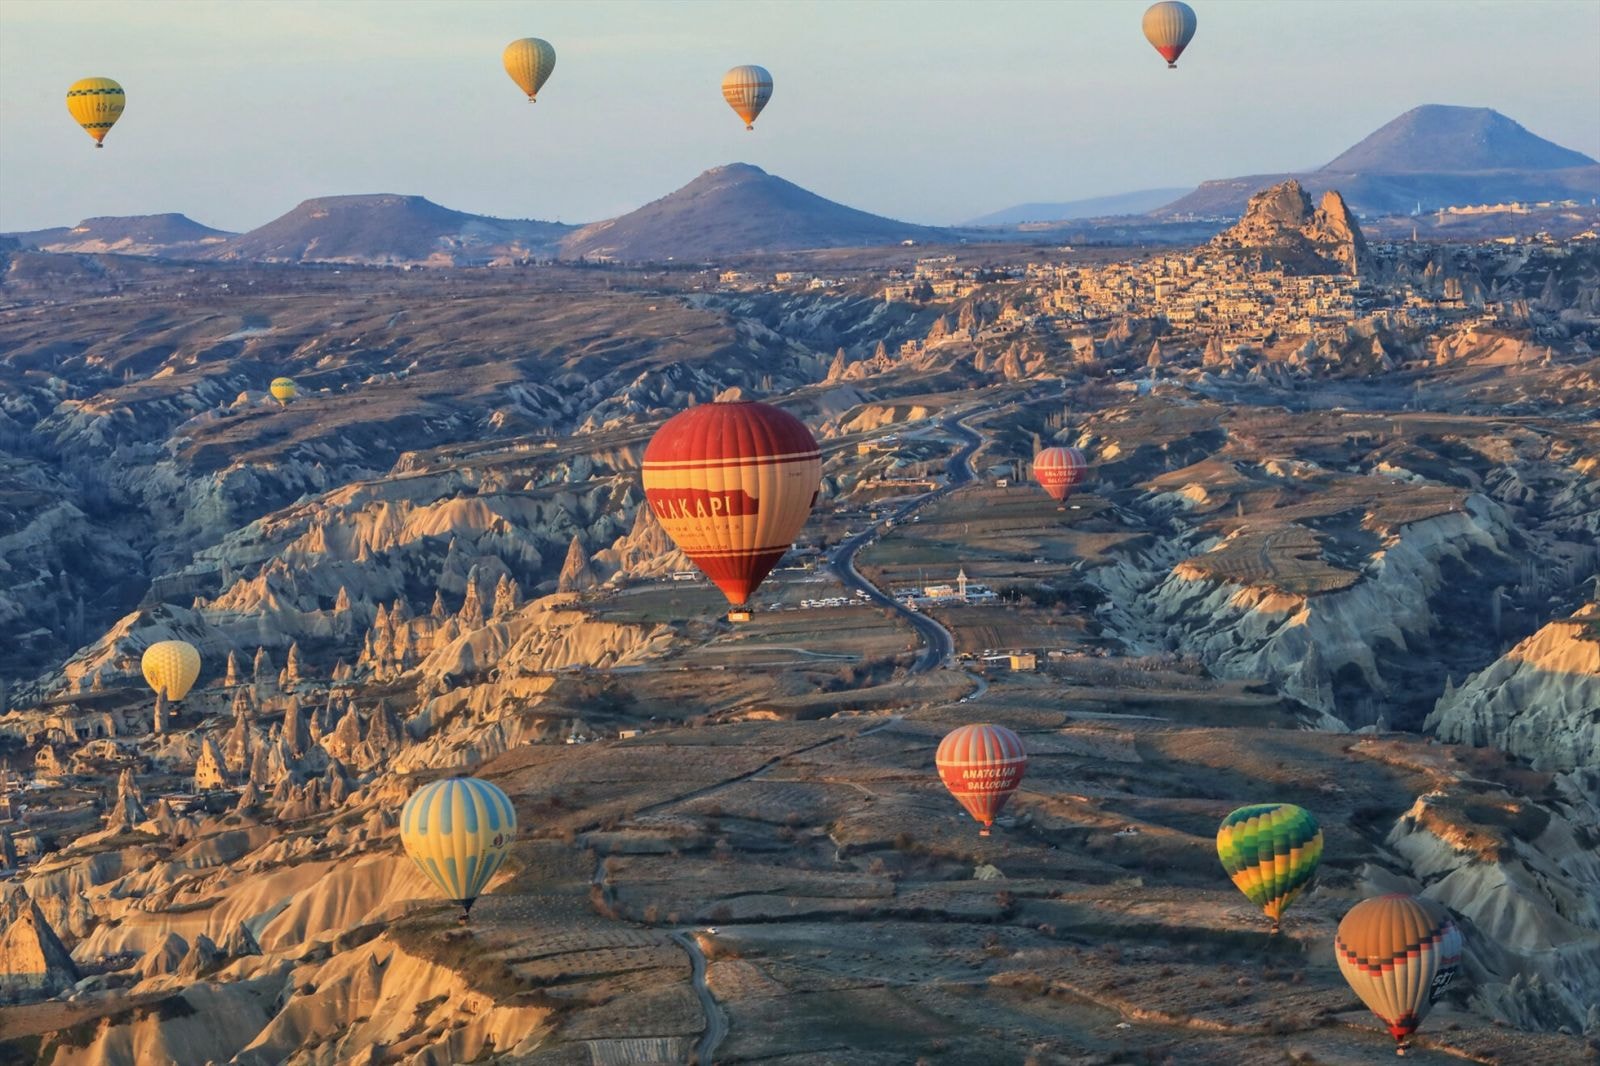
x,y
982,765
732,484
1399,953
1170,26
1060,470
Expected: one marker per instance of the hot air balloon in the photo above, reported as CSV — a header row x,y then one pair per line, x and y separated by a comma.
x,y
1170,26
96,104
529,61
1271,850
283,390
732,484
982,765
458,831
747,90
1058,471
1398,952
171,667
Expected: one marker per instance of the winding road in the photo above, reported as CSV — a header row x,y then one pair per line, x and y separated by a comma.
x,y
716,1021
938,647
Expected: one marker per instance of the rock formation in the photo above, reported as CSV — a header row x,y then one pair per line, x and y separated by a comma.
x,y
1539,701
32,958
576,573
1280,228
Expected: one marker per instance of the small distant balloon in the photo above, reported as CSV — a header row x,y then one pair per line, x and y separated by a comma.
x,y
529,61
747,90
1169,26
458,831
1059,470
283,390
171,667
982,765
96,104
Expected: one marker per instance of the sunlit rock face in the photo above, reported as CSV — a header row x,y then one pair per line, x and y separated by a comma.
x,y
1540,701
1527,879
32,958
1281,227
1319,649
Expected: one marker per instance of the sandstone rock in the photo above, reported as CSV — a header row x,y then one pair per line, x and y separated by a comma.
x,y
576,573
1539,701
32,958
1280,228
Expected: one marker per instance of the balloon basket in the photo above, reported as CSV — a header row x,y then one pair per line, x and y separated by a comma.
x,y
740,614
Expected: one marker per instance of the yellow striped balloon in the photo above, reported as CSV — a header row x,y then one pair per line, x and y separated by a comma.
x,y
171,667
283,390
529,61
96,104
459,832
747,90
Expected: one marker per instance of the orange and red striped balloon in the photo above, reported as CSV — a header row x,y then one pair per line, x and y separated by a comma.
x,y
982,765
1398,953
732,484
1060,470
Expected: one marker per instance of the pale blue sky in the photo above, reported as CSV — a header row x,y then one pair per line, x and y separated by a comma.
x,y
928,111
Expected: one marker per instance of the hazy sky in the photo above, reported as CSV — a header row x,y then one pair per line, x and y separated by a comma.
x,y
929,111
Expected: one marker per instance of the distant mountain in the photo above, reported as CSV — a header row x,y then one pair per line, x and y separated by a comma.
x,y
168,236
1433,156
733,210
393,230
1128,203
1438,139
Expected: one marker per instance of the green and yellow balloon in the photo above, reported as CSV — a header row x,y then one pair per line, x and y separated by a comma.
x,y
1271,851
459,831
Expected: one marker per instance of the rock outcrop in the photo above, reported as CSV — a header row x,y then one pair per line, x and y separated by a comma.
x,y
1280,228
1540,701
32,958
576,573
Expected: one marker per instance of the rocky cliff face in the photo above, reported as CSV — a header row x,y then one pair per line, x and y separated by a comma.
x,y
1526,878
1338,652
1540,701
32,959
1280,228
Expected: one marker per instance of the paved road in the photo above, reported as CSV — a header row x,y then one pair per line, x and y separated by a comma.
x,y
938,647
716,1021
